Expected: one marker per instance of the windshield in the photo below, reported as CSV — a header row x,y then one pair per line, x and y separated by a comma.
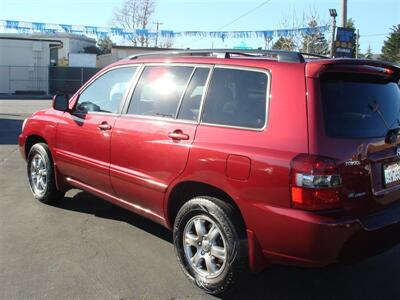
x,y
359,106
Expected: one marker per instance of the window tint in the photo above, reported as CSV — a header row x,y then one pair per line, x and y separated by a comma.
x,y
159,91
190,106
106,92
352,105
236,98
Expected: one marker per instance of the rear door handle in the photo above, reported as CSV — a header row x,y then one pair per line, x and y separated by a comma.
x,y
178,135
104,126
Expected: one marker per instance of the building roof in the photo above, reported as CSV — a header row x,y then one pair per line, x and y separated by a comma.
x,y
64,35
26,37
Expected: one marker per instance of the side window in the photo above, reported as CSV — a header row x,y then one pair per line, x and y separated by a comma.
x,y
106,92
159,91
236,98
190,106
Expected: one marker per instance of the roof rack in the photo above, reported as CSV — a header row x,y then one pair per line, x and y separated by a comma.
x,y
280,55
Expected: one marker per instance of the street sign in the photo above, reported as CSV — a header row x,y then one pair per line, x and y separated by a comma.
x,y
344,38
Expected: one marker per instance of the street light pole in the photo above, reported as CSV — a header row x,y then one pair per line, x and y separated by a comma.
x,y
344,13
333,14
357,42
158,24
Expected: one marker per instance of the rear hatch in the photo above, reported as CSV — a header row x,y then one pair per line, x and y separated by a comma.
x,y
354,118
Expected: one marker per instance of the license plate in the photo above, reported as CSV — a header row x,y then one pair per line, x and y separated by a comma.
x,y
391,173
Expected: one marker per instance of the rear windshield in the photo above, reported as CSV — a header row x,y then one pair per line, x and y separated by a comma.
x,y
359,106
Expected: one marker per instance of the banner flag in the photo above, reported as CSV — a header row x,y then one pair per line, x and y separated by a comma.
x,y
27,27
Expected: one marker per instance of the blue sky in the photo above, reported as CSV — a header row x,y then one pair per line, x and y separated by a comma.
x,y
373,18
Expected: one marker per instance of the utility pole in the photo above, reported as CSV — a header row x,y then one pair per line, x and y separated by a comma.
x,y
158,24
333,14
357,41
344,13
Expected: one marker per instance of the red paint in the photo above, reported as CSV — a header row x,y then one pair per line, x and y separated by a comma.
x,y
138,161
238,167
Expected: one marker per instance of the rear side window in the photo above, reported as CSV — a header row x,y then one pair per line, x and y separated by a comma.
x,y
159,91
236,98
359,106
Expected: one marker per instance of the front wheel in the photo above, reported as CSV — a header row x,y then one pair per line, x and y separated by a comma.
x,y
210,244
41,174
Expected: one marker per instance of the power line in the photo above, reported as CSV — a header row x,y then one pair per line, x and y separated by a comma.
x,y
244,15
158,24
375,34
236,19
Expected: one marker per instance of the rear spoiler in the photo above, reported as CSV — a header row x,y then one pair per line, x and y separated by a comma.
x,y
315,68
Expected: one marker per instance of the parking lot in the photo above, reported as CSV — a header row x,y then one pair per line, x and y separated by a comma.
x,y
86,248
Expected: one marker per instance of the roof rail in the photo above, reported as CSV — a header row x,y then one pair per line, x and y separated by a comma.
x,y
280,55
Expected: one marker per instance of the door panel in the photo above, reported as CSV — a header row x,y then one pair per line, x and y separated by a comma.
x,y
83,149
144,159
83,137
149,146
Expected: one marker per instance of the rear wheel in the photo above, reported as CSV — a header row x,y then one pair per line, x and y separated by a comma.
x,y
210,244
41,174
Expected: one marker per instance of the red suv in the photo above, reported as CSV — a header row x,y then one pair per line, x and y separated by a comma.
x,y
251,158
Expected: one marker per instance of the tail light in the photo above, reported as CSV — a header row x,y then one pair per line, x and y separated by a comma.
x,y
315,183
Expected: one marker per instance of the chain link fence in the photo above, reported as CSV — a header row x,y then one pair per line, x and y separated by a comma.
x,y
36,80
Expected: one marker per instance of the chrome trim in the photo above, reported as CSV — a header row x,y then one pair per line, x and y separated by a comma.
x,y
156,118
103,72
114,199
178,64
78,114
268,97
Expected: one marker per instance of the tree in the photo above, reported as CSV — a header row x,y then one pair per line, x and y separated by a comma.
x,y
369,54
105,45
91,50
391,47
315,41
135,14
284,43
166,42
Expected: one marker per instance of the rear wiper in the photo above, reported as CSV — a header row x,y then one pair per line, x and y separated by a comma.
x,y
392,133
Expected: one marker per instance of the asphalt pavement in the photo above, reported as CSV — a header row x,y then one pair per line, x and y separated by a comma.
x,y
87,248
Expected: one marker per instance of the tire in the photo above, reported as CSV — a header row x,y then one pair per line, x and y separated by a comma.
x,y
40,170
211,244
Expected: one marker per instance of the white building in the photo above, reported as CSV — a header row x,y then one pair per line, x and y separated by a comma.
x,y
24,63
72,43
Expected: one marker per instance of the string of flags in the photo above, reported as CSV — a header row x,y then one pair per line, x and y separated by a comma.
x,y
101,32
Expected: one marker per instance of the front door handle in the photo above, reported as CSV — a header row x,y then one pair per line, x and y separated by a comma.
x,y
104,126
178,135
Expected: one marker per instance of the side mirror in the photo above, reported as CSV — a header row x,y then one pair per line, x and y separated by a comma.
x,y
61,102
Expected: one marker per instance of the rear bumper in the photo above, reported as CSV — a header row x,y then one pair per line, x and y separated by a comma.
x,y
289,236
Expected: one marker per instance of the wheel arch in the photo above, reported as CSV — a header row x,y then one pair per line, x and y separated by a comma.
x,y
32,140
35,139
186,190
